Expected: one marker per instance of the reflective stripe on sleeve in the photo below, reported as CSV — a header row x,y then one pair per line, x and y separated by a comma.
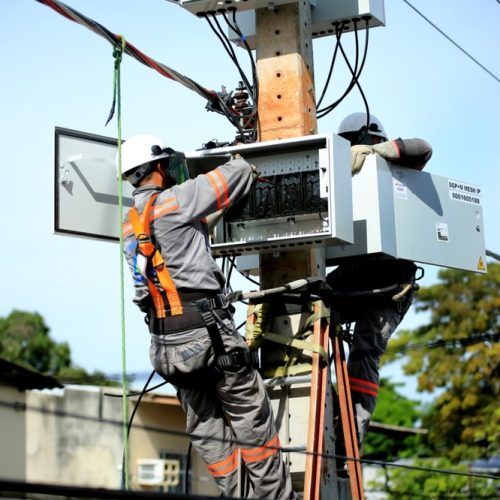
x,y
219,185
168,205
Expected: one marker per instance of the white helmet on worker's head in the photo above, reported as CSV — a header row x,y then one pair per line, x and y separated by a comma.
x,y
358,129
142,152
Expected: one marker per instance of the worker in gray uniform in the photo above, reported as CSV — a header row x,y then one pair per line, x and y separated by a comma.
x,y
194,342
376,315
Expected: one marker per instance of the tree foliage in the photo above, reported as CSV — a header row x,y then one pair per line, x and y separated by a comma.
x,y
409,484
457,353
25,340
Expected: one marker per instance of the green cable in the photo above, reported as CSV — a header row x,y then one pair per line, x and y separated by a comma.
x,y
117,54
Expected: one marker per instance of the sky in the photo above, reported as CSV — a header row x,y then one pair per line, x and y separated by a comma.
x,y
56,73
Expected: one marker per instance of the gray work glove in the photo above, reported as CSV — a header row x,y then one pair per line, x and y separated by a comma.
x,y
255,172
358,155
387,150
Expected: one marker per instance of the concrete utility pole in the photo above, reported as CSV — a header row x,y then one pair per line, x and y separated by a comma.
x,y
287,108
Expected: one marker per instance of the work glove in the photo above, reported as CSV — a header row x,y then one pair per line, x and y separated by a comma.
x,y
255,172
387,150
358,155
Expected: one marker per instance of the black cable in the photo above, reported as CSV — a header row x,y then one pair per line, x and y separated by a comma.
x,y
355,74
131,394
233,56
25,407
247,276
131,419
453,41
489,253
188,466
231,267
354,78
448,343
330,70
254,114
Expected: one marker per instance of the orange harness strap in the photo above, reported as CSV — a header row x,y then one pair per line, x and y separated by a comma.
x,y
142,231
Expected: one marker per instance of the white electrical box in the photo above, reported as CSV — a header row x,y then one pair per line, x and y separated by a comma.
x,y
326,16
302,197
86,199
415,215
200,7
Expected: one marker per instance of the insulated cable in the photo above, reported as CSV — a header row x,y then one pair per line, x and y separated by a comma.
x,y
355,72
255,94
73,15
332,64
251,89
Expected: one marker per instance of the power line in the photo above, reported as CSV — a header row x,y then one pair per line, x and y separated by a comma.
x,y
20,406
489,253
453,41
131,50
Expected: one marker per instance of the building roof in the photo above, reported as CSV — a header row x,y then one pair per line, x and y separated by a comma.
x,y
22,378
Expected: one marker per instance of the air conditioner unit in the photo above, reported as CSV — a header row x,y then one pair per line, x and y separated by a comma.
x,y
150,472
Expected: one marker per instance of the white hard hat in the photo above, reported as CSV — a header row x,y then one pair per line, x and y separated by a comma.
x,y
140,150
356,123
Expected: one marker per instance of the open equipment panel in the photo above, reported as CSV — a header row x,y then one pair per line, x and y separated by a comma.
x,y
302,196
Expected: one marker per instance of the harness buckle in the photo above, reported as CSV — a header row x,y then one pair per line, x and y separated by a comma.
x,y
144,245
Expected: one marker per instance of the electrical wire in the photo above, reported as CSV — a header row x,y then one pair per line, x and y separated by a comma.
x,y
129,426
255,111
17,406
131,50
252,89
489,253
355,72
473,59
332,64
132,394
448,343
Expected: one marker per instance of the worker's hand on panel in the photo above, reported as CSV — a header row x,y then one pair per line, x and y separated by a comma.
x,y
358,155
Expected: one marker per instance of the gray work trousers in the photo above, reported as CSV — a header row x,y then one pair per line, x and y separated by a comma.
x,y
372,331
228,419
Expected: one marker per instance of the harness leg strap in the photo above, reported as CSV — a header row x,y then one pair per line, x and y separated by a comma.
x,y
235,359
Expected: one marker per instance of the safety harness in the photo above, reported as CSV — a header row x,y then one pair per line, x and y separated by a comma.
x,y
186,310
152,256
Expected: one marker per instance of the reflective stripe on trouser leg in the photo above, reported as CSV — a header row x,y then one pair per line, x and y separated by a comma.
x,y
236,412
248,408
373,329
212,437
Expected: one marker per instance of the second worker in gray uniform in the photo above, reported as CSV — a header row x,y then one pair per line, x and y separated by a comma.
x,y
227,408
376,316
